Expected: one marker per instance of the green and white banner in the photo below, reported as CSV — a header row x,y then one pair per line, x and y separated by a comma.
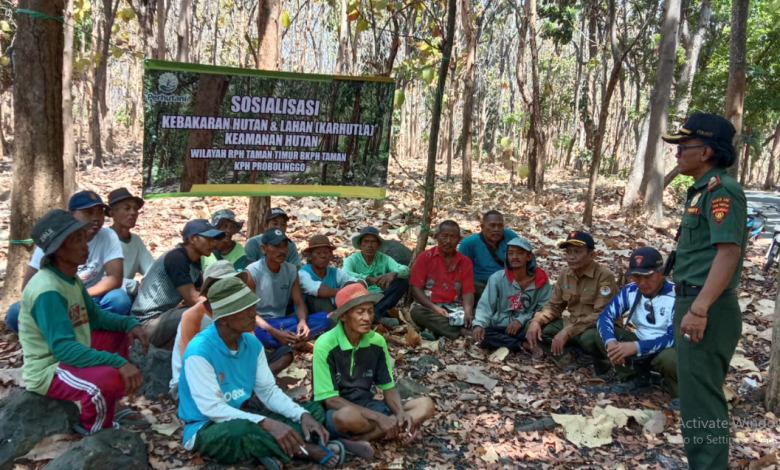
x,y
220,131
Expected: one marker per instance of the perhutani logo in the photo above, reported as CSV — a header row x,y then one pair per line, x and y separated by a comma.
x,y
167,83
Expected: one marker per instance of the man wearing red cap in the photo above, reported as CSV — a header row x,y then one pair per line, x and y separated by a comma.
x,y
584,289
348,361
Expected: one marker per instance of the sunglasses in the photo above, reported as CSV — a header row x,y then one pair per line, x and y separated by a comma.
x,y
682,147
651,315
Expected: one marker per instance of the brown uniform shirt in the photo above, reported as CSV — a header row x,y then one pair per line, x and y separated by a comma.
x,y
584,297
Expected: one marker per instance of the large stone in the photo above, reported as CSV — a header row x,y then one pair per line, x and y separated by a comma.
x,y
430,361
155,368
26,418
109,448
398,251
408,388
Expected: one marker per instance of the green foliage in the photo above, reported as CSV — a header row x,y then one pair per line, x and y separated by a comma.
x,y
679,186
559,19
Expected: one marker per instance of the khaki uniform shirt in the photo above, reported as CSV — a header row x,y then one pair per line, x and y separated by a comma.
x,y
584,297
715,212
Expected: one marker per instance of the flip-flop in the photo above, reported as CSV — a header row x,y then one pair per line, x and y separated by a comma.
x,y
83,431
269,463
123,416
342,452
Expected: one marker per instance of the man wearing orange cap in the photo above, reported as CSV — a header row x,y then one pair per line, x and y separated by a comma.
x,y
348,361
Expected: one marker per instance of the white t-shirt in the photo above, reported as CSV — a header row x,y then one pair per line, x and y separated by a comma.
x,y
138,259
103,248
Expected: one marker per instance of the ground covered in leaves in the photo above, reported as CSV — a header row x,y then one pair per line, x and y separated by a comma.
x,y
492,412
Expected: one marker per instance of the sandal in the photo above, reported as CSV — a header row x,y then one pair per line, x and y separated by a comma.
x,y
83,431
269,463
125,416
329,450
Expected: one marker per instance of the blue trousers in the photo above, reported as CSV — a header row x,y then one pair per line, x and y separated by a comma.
x,y
115,301
392,295
318,323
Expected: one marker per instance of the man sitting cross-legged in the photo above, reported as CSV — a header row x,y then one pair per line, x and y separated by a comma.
x,y
649,303
222,366
511,299
348,361
319,282
199,317
584,289
72,349
381,272
442,283
276,284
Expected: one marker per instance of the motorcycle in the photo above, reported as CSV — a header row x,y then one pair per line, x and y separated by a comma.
x,y
774,249
756,222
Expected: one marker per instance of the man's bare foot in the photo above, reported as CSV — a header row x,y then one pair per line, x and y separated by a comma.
x,y
362,449
535,351
407,438
466,333
317,453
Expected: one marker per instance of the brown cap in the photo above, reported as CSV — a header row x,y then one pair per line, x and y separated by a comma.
x,y
319,241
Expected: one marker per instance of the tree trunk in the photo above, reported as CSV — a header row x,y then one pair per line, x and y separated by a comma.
x,y
735,93
769,182
206,102
37,177
269,14
631,194
145,10
469,72
100,115
744,175
343,49
70,162
162,17
652,183
684,87
772,401
183,31
430,174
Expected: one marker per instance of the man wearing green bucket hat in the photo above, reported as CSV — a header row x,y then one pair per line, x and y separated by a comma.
x,y
222,366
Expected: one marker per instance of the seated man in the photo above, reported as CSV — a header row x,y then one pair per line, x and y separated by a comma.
x,y
320,283
274,218
227,248
276,283
223,365
123,208
348,361
73,350
199,317
174,278
442,283
584,289
102,273
487,249
381,272
649,303
511,299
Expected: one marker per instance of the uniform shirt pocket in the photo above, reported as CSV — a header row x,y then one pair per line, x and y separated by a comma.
x,y
588,298
690,226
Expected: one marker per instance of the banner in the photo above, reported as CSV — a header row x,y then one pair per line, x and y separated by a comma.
x,y
220,131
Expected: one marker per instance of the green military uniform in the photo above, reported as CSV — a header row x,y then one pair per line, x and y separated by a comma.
x,y
715,212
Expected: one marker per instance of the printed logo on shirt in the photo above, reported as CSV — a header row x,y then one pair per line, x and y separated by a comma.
x,y
221,377
78,315
234,395
88,272
519,301
338,377
370,373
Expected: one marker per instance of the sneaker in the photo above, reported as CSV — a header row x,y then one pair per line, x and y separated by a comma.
x,y
675,404
639,383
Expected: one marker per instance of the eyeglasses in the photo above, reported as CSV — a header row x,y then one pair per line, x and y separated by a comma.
x,y
682,147
651,315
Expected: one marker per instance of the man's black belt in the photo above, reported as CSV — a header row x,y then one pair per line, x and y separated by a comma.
x,y
685,290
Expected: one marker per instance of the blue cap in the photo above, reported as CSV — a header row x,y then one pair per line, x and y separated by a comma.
x,y
273,236
85,200
644,261
203,228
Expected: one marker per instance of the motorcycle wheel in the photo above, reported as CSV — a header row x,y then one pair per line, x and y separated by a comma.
x,y
771,259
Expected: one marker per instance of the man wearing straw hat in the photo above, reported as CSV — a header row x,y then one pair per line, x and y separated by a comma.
x,y
222,366
381,272
319,282
199,317
348,361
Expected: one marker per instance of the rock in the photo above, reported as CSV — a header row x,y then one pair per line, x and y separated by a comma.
x,y
411,389
427,360
109,448
5,195
461,385
398,251
155,368
26,418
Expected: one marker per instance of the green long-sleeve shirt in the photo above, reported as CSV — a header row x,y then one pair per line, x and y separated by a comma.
x,y
356,266
55,323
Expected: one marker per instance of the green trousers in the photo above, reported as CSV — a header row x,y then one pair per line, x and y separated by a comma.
x,y
664,362
479,288
702,368
587,341
438,324
240,439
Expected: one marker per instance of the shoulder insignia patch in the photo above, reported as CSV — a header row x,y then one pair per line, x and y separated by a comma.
x,y
695,199
720,207
713,183
605,290
606,283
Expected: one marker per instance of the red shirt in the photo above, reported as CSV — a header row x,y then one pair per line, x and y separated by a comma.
x,y
443,284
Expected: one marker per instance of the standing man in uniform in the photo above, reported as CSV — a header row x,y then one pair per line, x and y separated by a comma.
x,y
708,321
